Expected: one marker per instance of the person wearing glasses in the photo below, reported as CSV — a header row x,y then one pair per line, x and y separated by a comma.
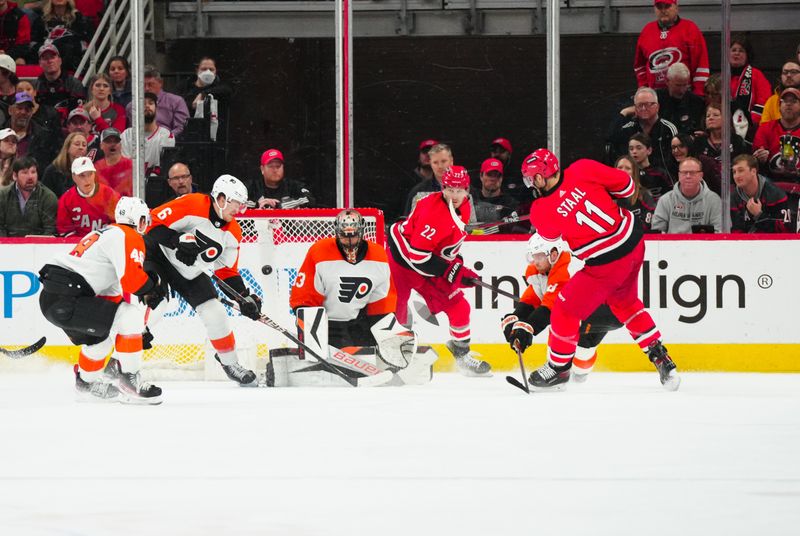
x,y
790,77
645,119
690,206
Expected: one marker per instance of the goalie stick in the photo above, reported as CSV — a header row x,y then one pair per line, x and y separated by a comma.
x,y
24,352
515,382
346,359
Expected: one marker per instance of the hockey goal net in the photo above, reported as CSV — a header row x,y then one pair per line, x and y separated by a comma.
x,y
274,244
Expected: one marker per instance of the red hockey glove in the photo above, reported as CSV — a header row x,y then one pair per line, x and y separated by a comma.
x,y
459,275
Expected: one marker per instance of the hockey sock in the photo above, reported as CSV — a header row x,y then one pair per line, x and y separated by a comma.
x,y
563,337
640,325
128,351
226,348
584,359
213,315
458,316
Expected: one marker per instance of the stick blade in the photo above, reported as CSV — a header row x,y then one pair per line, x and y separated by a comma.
x,y
516,383
25,352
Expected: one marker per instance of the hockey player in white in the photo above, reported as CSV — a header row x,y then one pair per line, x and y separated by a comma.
x,y
83,295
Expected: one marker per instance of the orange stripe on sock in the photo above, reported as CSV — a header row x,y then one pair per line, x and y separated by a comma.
x,y
585,364
128,343
90,365
225,344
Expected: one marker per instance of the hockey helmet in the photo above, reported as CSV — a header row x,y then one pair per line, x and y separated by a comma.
x,y
232,188
349,223
540,162
537,244
133,211
455,177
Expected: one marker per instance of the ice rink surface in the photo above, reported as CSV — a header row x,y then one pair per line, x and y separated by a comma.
x,y
461,456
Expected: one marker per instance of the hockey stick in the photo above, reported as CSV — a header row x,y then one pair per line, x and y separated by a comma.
x,y
512,380
478,282
24,352
366,381
493,227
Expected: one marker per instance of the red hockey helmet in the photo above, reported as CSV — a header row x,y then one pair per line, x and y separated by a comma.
x,y
456,177
539,162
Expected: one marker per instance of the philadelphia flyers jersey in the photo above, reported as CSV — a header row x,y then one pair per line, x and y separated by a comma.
x,y
219,240
327,280
433,231
581,209
110,260
543,288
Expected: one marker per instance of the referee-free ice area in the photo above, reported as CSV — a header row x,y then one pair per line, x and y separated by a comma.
x,y
461,456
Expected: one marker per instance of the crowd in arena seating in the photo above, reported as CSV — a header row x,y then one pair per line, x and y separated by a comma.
x,y
66,144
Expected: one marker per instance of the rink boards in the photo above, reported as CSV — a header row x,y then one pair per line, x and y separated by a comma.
x,y
722,303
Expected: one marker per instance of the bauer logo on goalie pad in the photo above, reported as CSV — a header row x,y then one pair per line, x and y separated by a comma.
x,y
357,364
353,287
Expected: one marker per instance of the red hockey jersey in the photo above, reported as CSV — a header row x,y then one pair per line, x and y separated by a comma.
x,y
432,232
81,215
581,210
657,49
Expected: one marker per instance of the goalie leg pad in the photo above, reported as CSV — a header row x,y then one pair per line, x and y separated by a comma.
x,y
312,330
291,371
420,370
396,344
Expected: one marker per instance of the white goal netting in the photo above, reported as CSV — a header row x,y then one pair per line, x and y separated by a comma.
x,y
274,244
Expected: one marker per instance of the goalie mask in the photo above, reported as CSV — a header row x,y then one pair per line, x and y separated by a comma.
x,y
134,212
349,229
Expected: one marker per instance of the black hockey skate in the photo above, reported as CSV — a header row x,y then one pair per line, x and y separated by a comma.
x,y
98,391
466,362
549,378
667,371
132,390
239,374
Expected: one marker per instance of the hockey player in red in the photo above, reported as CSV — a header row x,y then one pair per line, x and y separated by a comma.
x,y
87,206
579,207
83,295
424,257
196,233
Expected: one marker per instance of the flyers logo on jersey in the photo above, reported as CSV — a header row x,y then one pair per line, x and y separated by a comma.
x,y
211,248
353,287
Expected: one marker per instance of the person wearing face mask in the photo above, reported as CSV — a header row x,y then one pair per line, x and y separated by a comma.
x,y
205,83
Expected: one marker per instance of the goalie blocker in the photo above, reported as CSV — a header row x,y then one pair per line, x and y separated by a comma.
x,y
393,348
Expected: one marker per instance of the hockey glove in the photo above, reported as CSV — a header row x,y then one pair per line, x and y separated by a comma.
x,y
521,333
459,275
147,339
157,294
507,324
187,249
250,307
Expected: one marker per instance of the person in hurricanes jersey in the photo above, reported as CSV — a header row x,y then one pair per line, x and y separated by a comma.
x,y
579,207
424,257
196,233
82,293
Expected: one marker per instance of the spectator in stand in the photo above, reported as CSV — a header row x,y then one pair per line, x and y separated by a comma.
x,y
647,120
677,103
32,140
62,25
690,206
790,77
206,82
104,113
115,170
500,149
777,143
441,158
274,190
490,202
709,145
749,87
180,182
682,149
654,179
58,175
171,112
78,121
15,31
87,206
666,40
423,170
8,153
45,116
740,117
157,138
119,71
54,86
641,203
8,88
91,9
27,207
757,206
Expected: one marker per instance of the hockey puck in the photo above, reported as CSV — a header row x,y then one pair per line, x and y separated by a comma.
x,y
266,269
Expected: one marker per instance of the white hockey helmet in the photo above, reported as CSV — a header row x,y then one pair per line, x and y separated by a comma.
x,y
537,244
133,211
232,188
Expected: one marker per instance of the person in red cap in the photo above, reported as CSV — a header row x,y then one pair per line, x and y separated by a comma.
x,y
777,143
500,148
490,202
423,170
667,40
578,206
274,190
423,256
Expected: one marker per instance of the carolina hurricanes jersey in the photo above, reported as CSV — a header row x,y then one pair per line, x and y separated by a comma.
x,y
543,288
326,279
657,49
80,215
580,209
784,149
189,214
433,230
154,144
110,259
